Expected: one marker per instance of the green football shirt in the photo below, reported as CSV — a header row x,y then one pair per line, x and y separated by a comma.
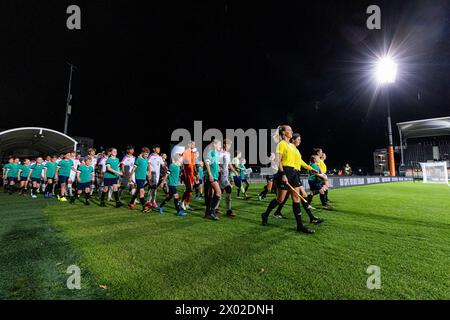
x,y
65,166
85,173
37,170
140,172
174,175
114,164
51,168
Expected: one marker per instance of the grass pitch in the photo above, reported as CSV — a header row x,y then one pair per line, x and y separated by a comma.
x,y
404,228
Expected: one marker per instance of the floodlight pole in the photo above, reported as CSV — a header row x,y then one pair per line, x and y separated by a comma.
x,y
69,98
390,147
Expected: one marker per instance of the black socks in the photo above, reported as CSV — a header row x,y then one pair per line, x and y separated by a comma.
x,y
297,214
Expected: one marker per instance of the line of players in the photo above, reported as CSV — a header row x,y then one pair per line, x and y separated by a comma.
x,y
216,175
76,176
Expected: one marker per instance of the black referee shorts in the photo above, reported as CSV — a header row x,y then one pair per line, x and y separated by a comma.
x,y
292,176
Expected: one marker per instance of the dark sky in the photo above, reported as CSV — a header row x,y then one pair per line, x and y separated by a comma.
x,y
146,68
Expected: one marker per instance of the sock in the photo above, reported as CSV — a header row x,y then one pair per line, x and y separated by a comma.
x,y
264,192
238,191
133,198
281,205
69,188
116,196
215,201
207,203
110,191
308,211
177,205
309,199
326,195
133,192
322,199
246,187
153,195
228,200
102,197
165,201
142,201
33,191
297,214
87,196
270,207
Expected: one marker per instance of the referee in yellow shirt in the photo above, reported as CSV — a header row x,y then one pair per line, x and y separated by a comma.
x,y
323,169
286,157
299,164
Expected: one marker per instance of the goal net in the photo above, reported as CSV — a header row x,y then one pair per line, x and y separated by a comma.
x,y
434,172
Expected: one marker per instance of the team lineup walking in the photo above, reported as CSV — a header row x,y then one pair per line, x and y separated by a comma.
x,y
102,177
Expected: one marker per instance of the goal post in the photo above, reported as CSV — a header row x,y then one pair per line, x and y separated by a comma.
x,y
435,172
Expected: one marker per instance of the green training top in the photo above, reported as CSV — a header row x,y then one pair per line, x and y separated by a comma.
x,y
51,169
213,158
25,170
37,171
65,166
140,172
13,171
114,164
174,175
85,173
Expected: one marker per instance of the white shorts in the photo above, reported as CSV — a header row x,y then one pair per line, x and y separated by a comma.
x,y
73,176
127,182
154,179
224,181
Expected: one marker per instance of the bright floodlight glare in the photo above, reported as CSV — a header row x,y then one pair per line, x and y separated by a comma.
x,y
386,70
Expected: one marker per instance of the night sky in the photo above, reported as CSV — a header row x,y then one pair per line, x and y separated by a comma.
x,y
146,69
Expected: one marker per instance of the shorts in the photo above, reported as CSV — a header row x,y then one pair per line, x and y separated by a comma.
x,y
140,183
12,179
299,178
189,178
237,181
73,176
127,180
292,176
37,180
224,182
153,181
315,185
23,178
172,190
108,182
50,178
269,178
83,185
63,179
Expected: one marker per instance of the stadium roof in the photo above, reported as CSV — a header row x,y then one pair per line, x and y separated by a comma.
x,y
425,128
42,140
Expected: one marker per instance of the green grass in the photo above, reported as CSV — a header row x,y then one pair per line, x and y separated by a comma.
x,y
402,227
34,256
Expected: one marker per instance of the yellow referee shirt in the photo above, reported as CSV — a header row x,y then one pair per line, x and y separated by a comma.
x,y
287,152
299,163
322,166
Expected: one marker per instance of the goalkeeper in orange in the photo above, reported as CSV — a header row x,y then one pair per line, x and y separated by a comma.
x,y
189,175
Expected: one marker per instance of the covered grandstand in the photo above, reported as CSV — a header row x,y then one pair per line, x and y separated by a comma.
x,y
423,141
33,141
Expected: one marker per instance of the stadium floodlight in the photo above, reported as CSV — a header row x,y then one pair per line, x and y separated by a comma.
x,y
386,73
386,70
